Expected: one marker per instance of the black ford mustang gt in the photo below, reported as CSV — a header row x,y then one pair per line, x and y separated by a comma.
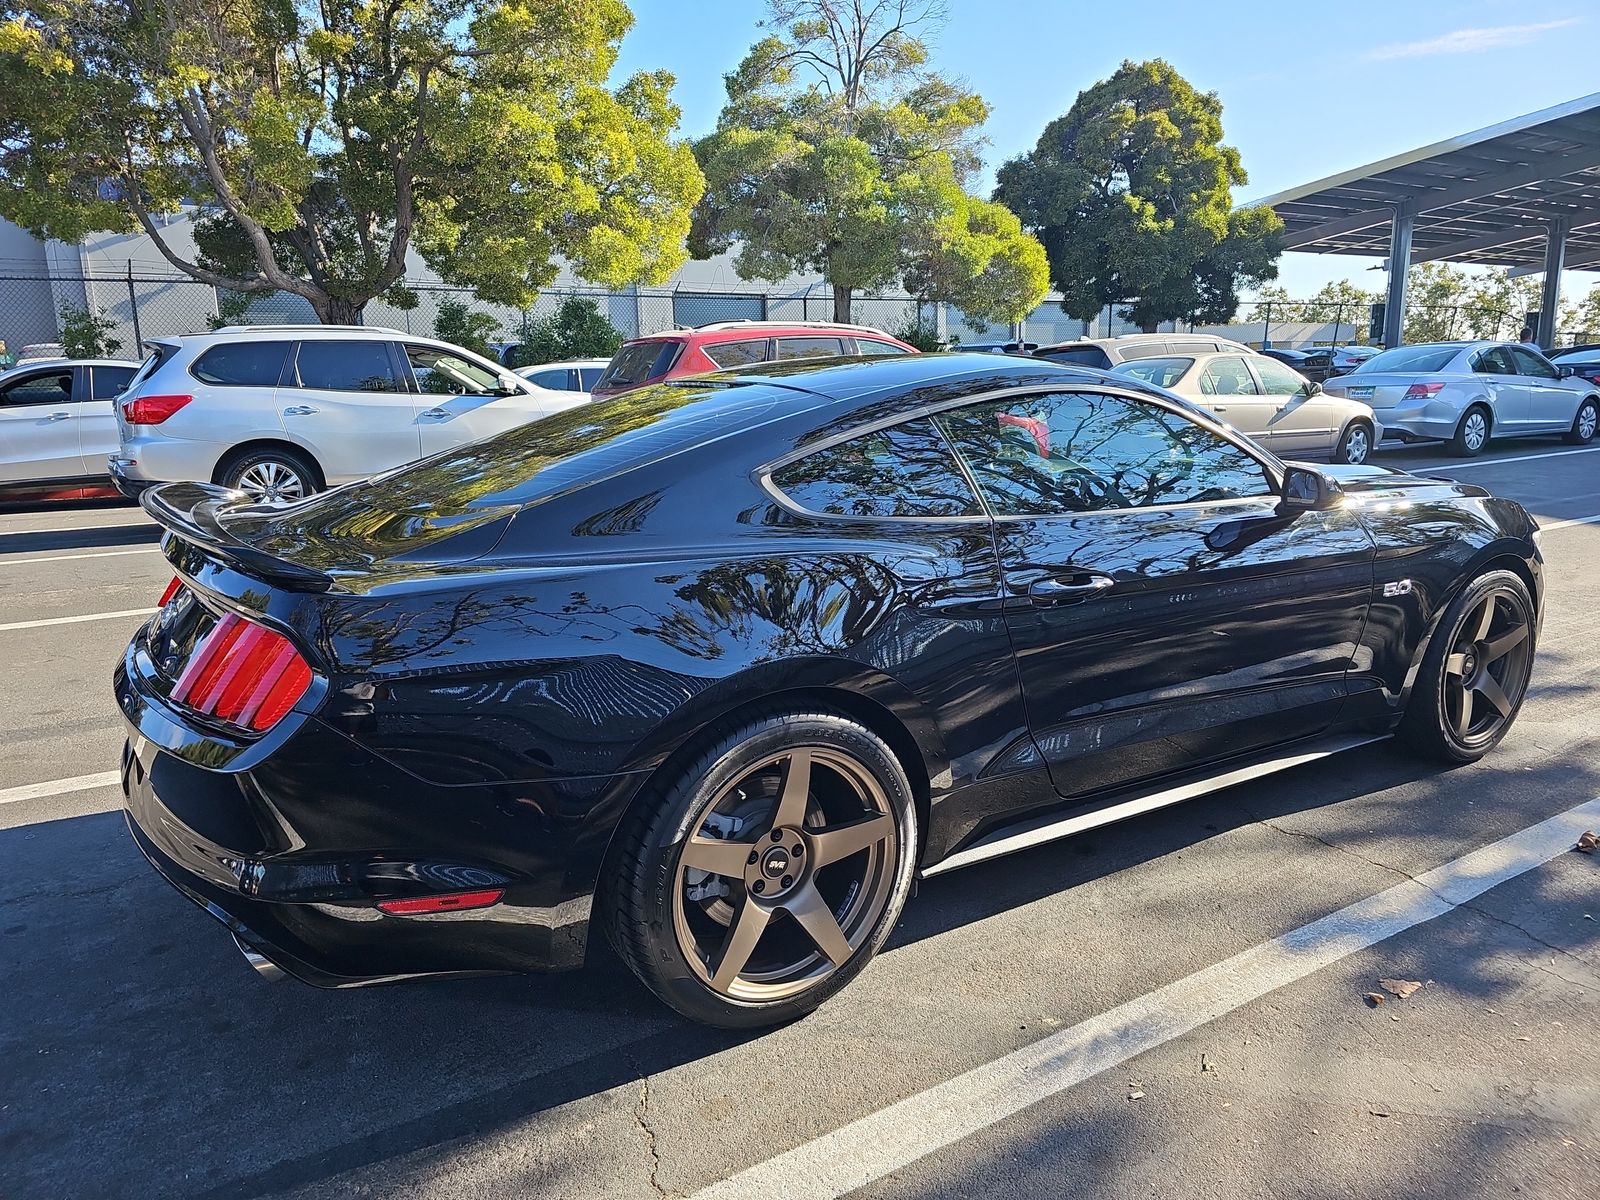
x,y
727,663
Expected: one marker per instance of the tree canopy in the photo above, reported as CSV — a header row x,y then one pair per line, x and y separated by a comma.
x,y
322,142
1131,193
838,151
576,329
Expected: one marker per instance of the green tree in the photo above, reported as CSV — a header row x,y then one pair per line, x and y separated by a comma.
x,y
577,329
1131,193
1580,319
1497,305
461,325
838,151
323,142
1436,293
87,334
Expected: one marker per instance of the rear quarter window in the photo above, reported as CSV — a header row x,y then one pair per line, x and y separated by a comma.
x,y
905,471
241,364
736,354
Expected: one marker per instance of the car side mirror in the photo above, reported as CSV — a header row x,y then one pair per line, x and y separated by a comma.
x,y
1307,490
1313,388
1565,370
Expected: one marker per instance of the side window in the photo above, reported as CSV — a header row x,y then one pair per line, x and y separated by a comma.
x,y
346,367
439,373
1529,363
867,346
559,380
52,387
107,383
810,347
737,354
905,471
589,376
1163,372
1077,452
1276,379
242,364
1494,361
1227,377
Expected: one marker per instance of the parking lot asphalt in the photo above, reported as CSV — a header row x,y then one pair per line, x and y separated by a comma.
x,y
140,1056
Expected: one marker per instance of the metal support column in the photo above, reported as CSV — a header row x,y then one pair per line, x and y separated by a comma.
x,y
1555,259
1394,312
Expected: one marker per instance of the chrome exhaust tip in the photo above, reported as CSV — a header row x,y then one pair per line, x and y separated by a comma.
x,y
265,967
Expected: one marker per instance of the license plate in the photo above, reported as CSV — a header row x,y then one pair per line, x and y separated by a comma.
x,y
1359,393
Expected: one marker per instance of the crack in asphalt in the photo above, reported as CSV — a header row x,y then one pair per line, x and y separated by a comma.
x,y
649,1134
1469,905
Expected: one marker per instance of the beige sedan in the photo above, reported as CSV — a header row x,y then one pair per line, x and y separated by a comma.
x,y
1274,404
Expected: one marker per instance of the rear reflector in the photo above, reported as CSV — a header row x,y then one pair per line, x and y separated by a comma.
x,y
244,674
171,591
1422,391
152,410
453,902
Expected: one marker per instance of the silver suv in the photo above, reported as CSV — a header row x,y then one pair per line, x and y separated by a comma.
x,y
282,411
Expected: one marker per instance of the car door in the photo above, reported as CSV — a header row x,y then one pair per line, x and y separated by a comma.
x,y
1552,403
347,402
1163,612
38,426
1509,395
1229,390
461,399
97,413
1303,423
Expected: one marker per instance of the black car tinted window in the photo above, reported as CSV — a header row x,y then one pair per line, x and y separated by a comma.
x,y
737,354
905,471
347,367
108,382
242,364
810,347
1084,356
640,362
1075,452
52,387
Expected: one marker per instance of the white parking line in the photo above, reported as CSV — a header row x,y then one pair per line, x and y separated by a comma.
x,y
1544,528
871,1147
1496,462
18,562
105,616
76,529
58,787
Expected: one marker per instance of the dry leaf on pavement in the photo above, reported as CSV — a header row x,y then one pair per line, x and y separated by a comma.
x,y
1588,842
1373,998
1399,987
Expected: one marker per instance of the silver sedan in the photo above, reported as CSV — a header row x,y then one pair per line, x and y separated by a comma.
x,y
1467,392
1267,401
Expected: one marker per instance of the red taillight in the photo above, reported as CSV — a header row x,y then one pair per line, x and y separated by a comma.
x,y
244,674
171,591
152,410
1423,391
454,902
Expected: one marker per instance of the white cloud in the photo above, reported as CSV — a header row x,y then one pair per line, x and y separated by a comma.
x,y
1470,41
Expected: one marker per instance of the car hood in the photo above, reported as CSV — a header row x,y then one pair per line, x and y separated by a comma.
x,y
1369,479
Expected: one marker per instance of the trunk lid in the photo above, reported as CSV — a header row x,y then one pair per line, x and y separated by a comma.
x,y
1380,390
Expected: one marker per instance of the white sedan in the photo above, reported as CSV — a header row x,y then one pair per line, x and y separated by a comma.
x,y
1467,392
577,375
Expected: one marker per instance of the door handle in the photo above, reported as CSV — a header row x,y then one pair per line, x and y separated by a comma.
x,y
1047,591
438,414
299,410
66,416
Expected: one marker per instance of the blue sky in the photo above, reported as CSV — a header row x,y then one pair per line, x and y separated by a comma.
x,y
1306,89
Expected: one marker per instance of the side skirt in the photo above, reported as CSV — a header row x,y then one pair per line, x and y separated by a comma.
x,y
1052,827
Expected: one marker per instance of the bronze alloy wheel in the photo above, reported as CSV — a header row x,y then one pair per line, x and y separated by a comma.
x,y
785,875
1487,666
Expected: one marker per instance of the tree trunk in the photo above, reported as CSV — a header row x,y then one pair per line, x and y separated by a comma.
x,y
1150,326
338,310
842,296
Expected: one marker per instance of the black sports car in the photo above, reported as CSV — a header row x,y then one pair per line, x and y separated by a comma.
x,y
728,662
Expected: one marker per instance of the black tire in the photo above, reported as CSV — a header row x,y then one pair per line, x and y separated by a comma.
x,y
1433,724
1468,442
648,901
253,470
1585,423
1356,443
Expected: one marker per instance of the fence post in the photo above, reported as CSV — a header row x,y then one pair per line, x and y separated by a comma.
x,y
1338,314
1266,329
133,307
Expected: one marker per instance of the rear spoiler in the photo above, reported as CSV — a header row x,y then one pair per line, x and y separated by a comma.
x,y
190,511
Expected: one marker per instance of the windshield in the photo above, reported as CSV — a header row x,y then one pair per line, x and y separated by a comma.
x,y
640,362
1416,360
1163,372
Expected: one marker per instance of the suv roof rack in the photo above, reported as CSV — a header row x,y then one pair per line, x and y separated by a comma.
x,y
747,323
268,328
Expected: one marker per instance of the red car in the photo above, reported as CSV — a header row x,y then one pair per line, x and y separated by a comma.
x,y
675,353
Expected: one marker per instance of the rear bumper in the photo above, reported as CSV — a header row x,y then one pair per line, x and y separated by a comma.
x,y
129,485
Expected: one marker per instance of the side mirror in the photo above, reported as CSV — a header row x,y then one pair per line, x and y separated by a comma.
x,y
1313,388
1306,490
1566,370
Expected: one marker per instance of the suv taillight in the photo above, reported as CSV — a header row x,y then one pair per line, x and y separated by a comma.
x,y
152,410
244,674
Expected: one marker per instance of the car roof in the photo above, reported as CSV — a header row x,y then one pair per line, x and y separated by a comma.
x,y
734,330
35,364
566,362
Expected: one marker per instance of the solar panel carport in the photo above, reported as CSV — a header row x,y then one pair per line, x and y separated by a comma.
x,y
1524,194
